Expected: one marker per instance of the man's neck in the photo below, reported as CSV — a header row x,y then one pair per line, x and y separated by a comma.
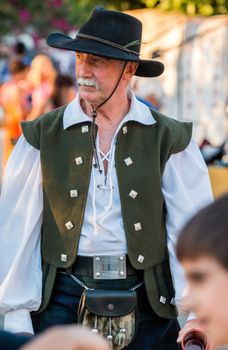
x,y
111,113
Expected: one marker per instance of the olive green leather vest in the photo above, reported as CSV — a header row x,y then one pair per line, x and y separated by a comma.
x,y
66,160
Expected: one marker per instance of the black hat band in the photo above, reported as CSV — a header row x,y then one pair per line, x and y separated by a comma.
x,y
110,43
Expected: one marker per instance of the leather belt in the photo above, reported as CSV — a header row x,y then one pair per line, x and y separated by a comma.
x,y
89,266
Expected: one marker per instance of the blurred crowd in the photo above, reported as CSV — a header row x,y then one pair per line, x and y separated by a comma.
x,y
30,85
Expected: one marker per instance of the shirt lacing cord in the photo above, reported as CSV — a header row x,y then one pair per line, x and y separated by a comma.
x,y
109,156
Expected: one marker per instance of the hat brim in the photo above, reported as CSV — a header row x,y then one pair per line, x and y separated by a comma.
x,y
146,68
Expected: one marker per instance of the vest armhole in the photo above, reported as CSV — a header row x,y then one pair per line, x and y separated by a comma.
x,y
183,138
30,134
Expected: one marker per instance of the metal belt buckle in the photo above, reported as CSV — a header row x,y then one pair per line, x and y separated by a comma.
x,y
109,267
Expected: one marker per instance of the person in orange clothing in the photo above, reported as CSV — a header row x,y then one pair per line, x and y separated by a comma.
x,y
14,102
41,78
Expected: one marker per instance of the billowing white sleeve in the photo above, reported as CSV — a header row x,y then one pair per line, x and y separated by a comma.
x,y
186,188
21,215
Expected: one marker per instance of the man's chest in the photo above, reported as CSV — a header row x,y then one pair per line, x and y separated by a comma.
x,y
105,144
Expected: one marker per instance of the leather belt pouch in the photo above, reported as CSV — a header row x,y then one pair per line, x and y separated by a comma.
x,y
112,314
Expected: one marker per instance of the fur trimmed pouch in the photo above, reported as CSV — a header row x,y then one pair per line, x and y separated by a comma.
x,y
112,314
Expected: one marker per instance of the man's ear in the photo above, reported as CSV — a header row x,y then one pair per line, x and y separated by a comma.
x,y
130,70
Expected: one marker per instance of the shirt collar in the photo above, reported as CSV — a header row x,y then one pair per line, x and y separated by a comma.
x,y
138,112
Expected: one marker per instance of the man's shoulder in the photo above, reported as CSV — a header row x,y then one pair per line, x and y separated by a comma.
x,y
33,129
54,115
167,121
175,132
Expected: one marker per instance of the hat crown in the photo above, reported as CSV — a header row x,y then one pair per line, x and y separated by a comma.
x,y
112,34
117,27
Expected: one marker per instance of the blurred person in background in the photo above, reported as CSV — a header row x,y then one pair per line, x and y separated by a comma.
x,y
19,52
202,250
64,90
148,99
4,57
1,155
14,101
41,77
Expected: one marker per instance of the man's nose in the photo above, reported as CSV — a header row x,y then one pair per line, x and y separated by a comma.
x,y
84,68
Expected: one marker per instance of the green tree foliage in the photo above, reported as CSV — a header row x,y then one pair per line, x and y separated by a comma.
x,y
81,9
41,15
191,7
48,15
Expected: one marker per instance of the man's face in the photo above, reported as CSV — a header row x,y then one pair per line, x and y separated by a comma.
x,y
96,76
208,296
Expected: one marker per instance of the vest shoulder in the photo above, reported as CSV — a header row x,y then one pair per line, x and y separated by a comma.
x,y
32,129
180,133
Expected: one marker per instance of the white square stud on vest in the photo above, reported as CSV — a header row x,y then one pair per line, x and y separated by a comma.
x,y
140,259
69,225
138,226
133,194
124,129
64,257
78,160
73,193
85,128
128,161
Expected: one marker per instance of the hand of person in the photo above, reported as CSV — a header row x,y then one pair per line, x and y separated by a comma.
x,y
194,326
67,338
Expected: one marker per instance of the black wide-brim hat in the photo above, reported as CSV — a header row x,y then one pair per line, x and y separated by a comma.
x,y
110,34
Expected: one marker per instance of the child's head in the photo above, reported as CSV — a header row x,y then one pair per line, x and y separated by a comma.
x,y
206,234
202,249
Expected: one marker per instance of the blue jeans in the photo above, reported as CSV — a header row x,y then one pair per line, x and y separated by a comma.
x,y
154,333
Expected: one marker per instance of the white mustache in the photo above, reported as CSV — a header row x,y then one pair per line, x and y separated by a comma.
x,y
87,82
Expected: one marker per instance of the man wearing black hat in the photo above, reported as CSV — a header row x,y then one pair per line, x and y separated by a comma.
x,y
103,186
